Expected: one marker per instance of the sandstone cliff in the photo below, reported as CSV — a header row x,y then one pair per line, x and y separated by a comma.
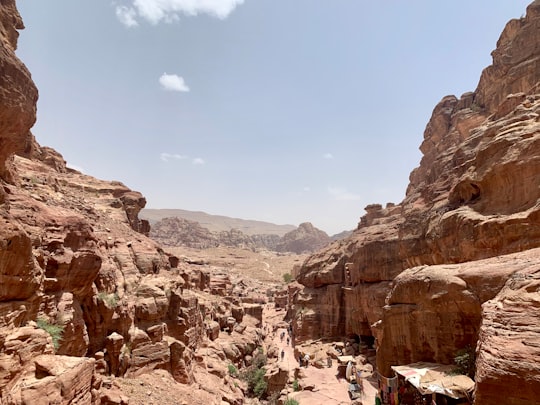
x,y
84,293
457,263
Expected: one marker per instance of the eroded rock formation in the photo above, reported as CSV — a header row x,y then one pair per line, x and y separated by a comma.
x,y
459,257
84,293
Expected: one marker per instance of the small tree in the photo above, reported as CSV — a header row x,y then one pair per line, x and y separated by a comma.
x,y
233,371
291,401
287,277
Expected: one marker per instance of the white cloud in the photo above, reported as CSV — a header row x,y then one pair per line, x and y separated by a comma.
x,y
198,161
155,11
343,195
328,156
173,83
168,156
306,189
126,15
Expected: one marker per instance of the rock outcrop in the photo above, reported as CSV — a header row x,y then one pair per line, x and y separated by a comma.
x,y
306,238
18,94
459,257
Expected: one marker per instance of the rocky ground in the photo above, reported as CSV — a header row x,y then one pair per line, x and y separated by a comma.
x,y
260,265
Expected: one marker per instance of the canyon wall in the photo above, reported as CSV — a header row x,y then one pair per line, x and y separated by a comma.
x,y
456,264
84,293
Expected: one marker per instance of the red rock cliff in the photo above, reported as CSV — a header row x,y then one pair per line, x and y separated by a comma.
x,y
83,292
457,262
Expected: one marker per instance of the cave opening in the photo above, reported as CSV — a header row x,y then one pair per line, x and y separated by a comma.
x,y
355,337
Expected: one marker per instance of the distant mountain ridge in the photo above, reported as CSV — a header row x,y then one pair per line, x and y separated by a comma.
x,y
175,231
217,223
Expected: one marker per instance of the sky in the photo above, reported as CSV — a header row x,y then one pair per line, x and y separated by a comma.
x,y
285,111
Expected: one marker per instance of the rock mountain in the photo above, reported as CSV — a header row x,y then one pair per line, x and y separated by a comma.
x,y
177,231
457,263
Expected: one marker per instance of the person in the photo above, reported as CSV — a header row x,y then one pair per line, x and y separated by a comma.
x,y
300,360
306,360
288,340
282,354
329,362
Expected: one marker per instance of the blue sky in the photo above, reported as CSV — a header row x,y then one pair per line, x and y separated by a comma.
x,y
277,110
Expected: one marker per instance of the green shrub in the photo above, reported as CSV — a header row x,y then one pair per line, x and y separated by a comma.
x,y
52,329
233,371
465,360
254,375
110,300
291,402
287,277
260,384
295,385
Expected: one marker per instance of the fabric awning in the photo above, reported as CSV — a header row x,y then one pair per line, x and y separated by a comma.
x,y
429,378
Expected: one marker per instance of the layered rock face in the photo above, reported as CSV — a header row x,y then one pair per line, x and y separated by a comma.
x,y
84,293
18,94
72,260
458,258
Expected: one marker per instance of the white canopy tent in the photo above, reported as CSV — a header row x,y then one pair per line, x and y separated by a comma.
x,y
429,378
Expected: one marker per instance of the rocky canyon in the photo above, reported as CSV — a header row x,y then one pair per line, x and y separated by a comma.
x,y
94,311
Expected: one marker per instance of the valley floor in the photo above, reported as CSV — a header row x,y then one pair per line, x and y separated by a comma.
x,y
320,385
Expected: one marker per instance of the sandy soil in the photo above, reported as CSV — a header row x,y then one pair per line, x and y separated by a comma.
x,y
262,265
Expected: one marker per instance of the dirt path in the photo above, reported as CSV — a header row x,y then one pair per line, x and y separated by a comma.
x,y
319,385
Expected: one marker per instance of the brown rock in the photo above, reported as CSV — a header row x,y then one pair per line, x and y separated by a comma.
x,y
212,330
113,396
59,379
16,265
306,238
276,378
18,94
255,311
114,344
148,357
181,362
508,346
515,65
